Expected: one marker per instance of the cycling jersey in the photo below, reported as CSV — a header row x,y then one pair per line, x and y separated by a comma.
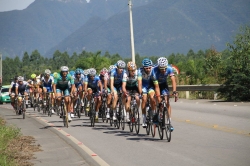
x,y
93,84
161,79
47,84
79,81
63,84
22,87
132,81
147,83
13,86
118,78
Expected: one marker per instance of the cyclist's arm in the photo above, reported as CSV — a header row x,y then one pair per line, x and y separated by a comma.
x,y
100,85
112,84
124,83
173,83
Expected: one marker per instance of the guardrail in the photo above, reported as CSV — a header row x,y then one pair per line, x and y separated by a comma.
x,y
205,87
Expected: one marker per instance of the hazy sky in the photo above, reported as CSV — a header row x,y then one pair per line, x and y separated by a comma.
x,y
7,5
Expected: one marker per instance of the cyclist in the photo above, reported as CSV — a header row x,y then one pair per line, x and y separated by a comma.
x,y
131,83
21,90
147,88
92,84
117,75
79,81
160,74
61,85
12,91
47,81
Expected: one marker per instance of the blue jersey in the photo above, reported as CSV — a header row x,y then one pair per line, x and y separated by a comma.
x,y
146,78
118,78
79,81
47,83
93,84
159,78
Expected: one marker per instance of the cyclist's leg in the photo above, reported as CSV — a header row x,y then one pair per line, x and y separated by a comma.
x,y
67,100
151,94
114,102
99,102
108,101
127,106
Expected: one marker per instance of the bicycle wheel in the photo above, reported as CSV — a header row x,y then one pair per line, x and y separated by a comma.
x,y
148,123
23,108
168,127
137,120
153,128
131,123
104,110
161,125
78,108
111,117
123,120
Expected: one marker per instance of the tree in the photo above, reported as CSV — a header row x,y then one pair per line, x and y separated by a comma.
x,y
235,76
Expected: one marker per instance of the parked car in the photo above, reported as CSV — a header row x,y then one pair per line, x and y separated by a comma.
x,y
4,94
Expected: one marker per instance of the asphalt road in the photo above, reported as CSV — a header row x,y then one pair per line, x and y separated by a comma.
x,y
206,133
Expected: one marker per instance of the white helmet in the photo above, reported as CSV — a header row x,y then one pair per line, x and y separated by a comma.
x,y
92,72
111,68
64,68
162,62
47,71
20,78
121,64
86,72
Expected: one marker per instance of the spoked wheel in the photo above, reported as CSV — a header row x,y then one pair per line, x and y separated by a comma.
x,y
50,112
161,130
148,127
104,110
78,108
23,111
131,123
65,118
137,121
123,120
153,128
168,127
111,117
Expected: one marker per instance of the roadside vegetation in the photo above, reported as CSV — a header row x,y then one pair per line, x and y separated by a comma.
x,y
229,68
15,149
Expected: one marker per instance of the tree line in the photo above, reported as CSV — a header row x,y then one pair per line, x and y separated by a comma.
x,y
230,68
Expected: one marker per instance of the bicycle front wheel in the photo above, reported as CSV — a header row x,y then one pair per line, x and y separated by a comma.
x,y
131,123
168,127
137,120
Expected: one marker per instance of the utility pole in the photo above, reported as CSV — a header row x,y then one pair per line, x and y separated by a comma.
x,y
1,76
131,31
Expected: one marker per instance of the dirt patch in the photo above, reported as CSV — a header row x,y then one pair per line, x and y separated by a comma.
x,y
22,150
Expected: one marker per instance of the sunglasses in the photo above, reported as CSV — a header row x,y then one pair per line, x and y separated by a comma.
x,y
78,74
146,68
120,68
92,75
131,70
162,68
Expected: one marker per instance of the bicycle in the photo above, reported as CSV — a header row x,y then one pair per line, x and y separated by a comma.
x,y
103,107
64,112
77,107
149,116
22,108
92,112
120,113
37,104
47,108
134,115
162,111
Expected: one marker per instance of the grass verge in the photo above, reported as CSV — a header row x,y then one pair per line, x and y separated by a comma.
x,y
15,149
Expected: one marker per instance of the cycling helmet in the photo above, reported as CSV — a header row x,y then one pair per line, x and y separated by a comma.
x,y
162,62
64,68
111,68
33,76
78,71
103,71
147,62
131,66
72,72
55,75
82,71
121,64
92,72
47,72
86,72
20,78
